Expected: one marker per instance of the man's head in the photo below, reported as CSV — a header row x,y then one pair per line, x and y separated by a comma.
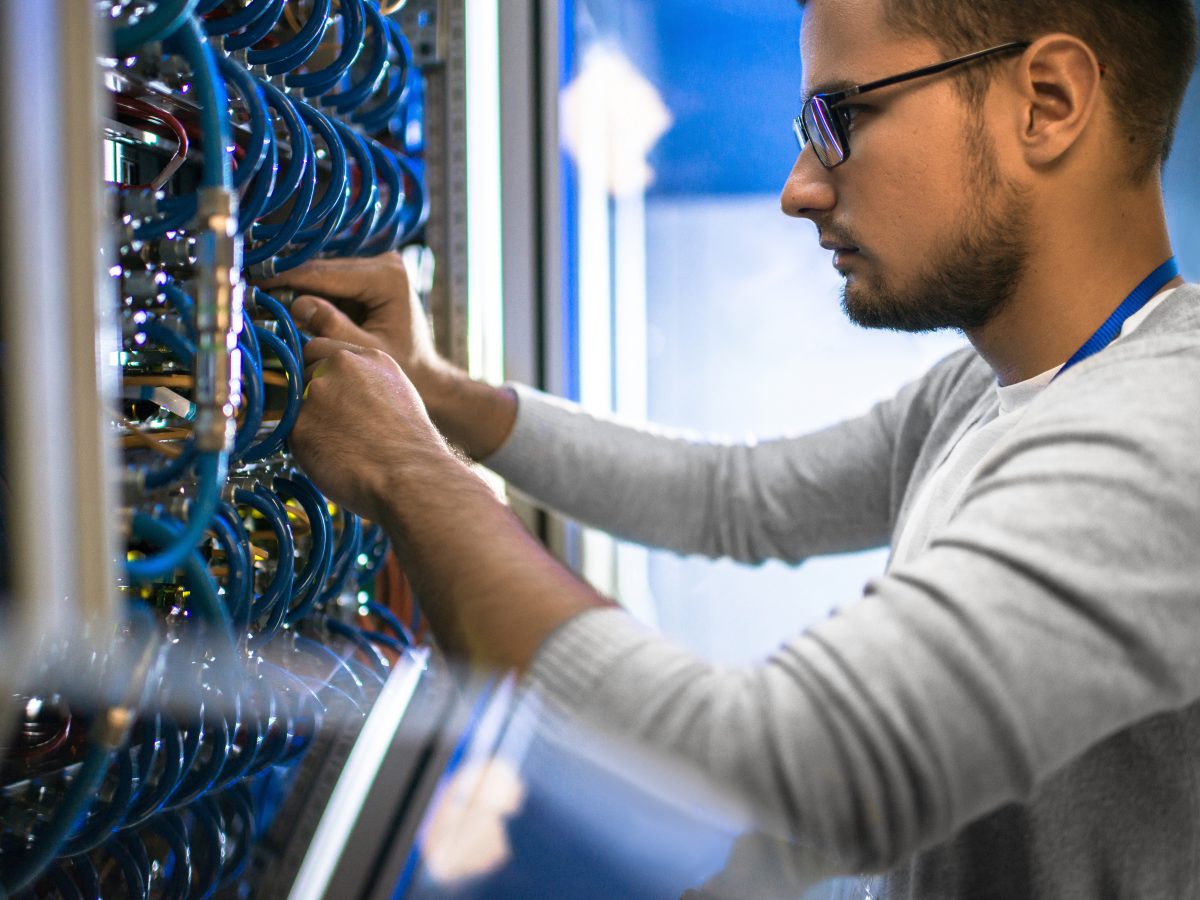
x,y
956,181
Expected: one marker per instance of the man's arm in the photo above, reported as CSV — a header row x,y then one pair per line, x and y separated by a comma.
x,y
790,498
1057,608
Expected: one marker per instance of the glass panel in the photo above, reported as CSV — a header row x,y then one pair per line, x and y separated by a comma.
x,y
700,305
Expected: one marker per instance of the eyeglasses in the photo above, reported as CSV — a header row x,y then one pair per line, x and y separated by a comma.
x,y
827,126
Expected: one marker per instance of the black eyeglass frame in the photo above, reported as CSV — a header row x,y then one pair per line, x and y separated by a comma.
x,y
827,104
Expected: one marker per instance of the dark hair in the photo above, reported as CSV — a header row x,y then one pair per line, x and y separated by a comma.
x,y
1148,48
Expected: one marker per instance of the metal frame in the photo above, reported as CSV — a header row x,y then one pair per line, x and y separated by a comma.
x,y
61,465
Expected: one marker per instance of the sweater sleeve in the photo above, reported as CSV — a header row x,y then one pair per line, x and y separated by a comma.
x,y
1058,607
790,498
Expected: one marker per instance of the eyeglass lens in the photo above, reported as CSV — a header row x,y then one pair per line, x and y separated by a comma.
x,y
823,132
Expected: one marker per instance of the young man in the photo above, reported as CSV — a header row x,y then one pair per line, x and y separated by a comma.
x,y
1012,710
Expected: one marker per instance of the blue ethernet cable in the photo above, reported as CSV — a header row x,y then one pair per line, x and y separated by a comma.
x,y
289,180
320,81
384,640
376,118
287,326
292,53
256,32
149,801
166,18
185,352
180,548
275,598
251,94
200,777
355,636
137,878
179,874
376,45
343,560
202,601
415,213
237,800
188,41
104,817
363,212
185,307
274,441
210,829
303,161
236,21
320,553
207,6
239,584
392,621
254,201
333,198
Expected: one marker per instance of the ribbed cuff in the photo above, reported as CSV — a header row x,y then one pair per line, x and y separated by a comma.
x,y
580,653
541,418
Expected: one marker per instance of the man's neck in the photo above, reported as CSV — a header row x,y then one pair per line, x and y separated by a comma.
x,y
1066,295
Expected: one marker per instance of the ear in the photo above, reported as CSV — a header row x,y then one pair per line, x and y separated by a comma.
x,y
1059,86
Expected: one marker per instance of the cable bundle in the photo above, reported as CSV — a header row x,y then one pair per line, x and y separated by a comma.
x,y
246,587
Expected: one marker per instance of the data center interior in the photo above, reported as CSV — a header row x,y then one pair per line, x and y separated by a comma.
x,y
213,682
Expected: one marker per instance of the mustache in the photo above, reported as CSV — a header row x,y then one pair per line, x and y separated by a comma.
x,y
829,233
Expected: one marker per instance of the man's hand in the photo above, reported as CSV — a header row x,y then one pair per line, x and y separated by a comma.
x,y
369,303
361,421
489,590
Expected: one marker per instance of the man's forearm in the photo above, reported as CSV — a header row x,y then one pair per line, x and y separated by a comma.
x,y
474,416
491,593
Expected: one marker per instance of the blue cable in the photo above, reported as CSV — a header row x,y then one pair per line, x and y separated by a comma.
x,y
64,883
289,181
415,214
181,548
388,171
254,201
343,560
183,350
188,41
70,812
239,584
392,621
239,799
242,18
103,819
211,829
386,640
373,73
200,778
275,598
167,17
353,30
185,307
149,802
356,637
207,6
179,346
360,215
274,441
252,97
293,52
137,879
316,569
179,874
375,118
291,335
259,30
333,198
279,235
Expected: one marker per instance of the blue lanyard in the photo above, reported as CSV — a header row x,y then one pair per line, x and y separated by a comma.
x,y
1141,295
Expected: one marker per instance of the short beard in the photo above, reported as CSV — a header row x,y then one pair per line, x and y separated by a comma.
x,y
975,278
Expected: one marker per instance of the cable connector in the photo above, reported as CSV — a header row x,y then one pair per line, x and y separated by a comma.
x,y
218,318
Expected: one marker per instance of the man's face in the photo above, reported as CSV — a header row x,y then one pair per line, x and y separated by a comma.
x,y
931,233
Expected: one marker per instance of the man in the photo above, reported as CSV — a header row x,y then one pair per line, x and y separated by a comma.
x,y
1012,710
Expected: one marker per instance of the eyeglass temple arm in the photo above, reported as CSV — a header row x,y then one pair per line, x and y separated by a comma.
x,y
839,96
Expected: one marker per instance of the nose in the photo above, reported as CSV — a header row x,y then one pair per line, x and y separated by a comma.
x,y
808,191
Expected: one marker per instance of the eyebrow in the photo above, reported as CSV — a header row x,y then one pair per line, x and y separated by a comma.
x,y
829,87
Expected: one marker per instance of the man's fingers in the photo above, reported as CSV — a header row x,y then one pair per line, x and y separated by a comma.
x,y
323,319
320,348
370,283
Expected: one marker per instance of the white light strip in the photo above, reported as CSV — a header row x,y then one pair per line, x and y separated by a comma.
x,y
358,774
485,272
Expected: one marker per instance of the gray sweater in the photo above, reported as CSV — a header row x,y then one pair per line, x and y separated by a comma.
x,y
1013,712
